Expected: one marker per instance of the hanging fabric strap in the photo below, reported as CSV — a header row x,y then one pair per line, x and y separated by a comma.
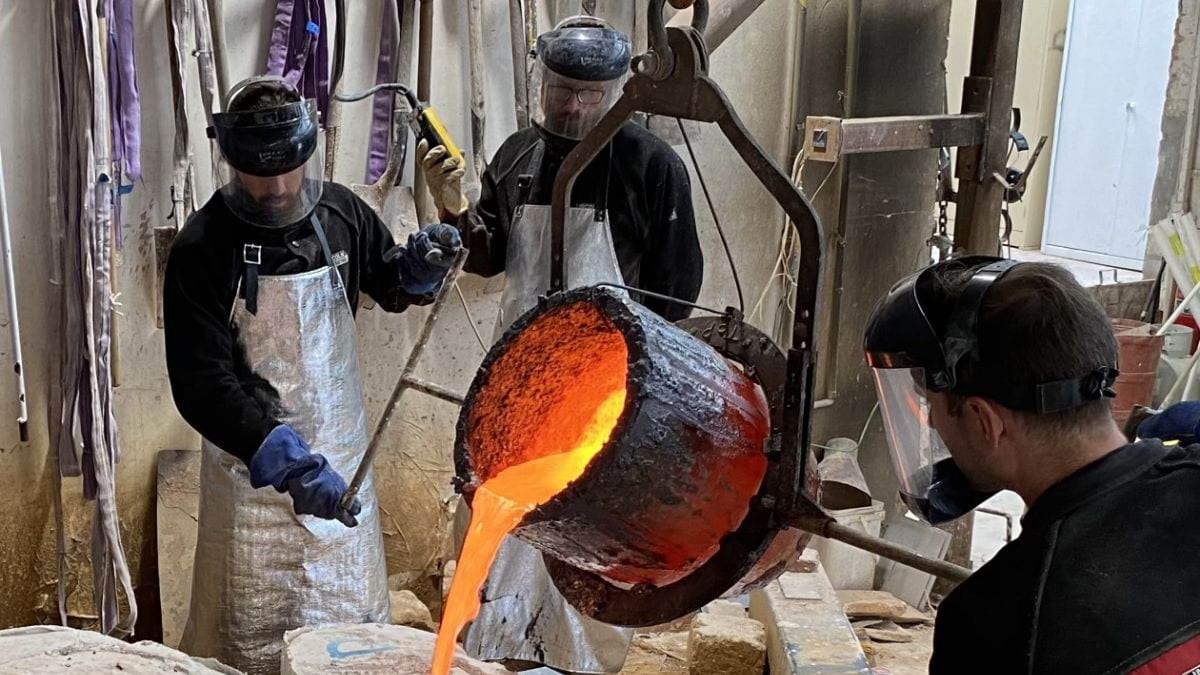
x,y
383,106
124,109
83,406
123,89
328,252
299,51
205,59
179,29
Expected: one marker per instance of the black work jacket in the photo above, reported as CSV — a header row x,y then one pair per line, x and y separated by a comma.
x,y
1104,578
641,182
213,387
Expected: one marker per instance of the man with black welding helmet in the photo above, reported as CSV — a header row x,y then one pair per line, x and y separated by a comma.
x,y
994,375
629,222
259,299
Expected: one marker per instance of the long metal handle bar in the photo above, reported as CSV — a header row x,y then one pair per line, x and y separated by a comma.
x,y
831,529
664,298
14,324
407,381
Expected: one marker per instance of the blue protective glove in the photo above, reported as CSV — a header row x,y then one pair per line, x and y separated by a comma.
x,y
1180,422
285,462
426,258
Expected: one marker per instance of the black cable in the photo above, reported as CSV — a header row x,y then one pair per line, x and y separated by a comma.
x,y
339,45
737,282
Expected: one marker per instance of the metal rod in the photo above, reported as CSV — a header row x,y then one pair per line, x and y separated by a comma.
x,y
14,325
478,84
435,390
1178,310
216,22
660,296
424,75
205,69
333,124
406,381
516,36
831,529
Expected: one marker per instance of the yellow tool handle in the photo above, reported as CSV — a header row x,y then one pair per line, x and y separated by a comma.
x,y
433,131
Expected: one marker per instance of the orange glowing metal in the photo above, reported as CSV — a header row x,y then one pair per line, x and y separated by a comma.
x,y
500,504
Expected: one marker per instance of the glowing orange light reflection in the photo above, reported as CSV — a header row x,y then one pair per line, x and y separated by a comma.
x,y
500,504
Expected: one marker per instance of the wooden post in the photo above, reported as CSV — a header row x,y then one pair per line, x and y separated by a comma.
x,y
988,89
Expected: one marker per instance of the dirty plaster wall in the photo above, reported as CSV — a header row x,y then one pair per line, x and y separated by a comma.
x,y
1174,185
413,470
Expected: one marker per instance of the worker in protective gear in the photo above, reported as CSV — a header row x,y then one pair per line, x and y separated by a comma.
x,y
630,222
1179,423
631,217
997,375
260,293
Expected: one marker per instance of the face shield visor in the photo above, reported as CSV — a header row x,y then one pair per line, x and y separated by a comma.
x,y
931,484
271,162
581,65
571,108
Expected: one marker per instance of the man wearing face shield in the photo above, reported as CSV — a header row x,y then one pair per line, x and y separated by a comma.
x,y
630,222
996,375
260,293
631,216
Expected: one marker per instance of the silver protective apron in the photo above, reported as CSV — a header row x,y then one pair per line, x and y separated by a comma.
x,y
523,616
261,569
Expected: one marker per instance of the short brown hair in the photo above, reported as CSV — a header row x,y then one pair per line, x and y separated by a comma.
x,y
1037,324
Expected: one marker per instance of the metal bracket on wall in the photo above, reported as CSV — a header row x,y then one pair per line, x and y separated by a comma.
x,y
828,138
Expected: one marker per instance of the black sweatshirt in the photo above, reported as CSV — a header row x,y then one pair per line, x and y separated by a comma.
x,y
213,387
649,210
1104,577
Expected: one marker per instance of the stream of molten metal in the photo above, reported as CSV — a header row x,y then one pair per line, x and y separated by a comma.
x,y
499,506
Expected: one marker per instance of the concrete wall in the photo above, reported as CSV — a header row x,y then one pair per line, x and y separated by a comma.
x,y
1039,64
885,202
414,469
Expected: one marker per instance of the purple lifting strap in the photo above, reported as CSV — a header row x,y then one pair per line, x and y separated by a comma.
x,y
123,89
299,52
384,104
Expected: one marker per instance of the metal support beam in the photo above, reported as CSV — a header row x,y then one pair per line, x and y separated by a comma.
x,y
827,138
989,90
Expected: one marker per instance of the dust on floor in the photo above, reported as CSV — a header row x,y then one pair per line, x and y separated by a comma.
x,y
902,658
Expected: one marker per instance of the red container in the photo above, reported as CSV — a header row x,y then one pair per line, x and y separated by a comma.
x,y
1138,362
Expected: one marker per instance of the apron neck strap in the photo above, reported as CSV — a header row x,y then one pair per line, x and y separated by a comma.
x,y
252,258
530,179
334,276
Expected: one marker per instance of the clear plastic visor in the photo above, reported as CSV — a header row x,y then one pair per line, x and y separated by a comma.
x,y
914,444
571,108
274,201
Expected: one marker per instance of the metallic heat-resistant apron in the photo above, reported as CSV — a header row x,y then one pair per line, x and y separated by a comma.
x,y
261,569
523,616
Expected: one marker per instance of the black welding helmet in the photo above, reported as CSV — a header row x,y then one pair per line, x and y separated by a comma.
x,y
270,164
915,347
581,65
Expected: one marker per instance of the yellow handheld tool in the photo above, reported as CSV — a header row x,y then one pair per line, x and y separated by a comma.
x,y
422,118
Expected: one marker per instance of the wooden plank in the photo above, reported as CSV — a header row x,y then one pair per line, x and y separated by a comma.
x,y
993,55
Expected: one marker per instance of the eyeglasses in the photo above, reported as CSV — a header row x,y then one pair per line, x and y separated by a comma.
x,y
559,95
